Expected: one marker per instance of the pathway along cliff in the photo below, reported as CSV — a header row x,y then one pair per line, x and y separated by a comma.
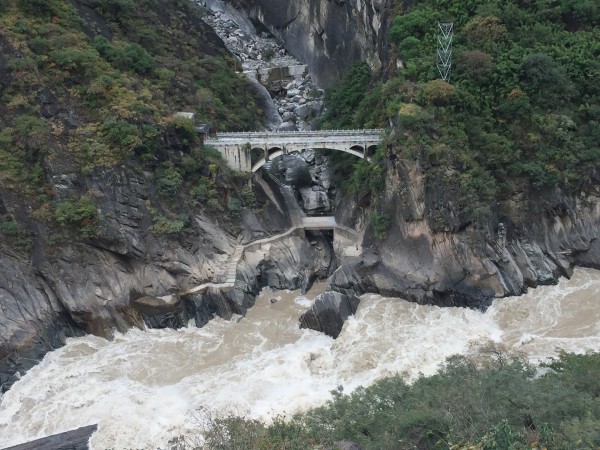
x,y
144,388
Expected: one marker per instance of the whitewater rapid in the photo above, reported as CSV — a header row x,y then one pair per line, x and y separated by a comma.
x,y
144,388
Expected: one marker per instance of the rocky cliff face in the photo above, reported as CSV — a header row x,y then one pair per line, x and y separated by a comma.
x,y
431,255
128,276
327,35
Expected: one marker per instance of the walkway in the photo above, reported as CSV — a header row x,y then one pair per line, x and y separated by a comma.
x,y
229,274
236,148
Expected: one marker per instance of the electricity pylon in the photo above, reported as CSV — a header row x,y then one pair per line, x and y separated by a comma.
x,y
444,50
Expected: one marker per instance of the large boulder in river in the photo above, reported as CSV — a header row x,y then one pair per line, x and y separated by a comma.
x,y
329,312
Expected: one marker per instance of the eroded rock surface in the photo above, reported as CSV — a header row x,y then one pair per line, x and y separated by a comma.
x,y
329,312
432,253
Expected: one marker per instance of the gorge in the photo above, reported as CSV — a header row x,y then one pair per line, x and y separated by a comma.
x,y
101,251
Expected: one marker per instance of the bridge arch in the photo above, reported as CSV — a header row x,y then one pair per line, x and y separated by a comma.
x,y
275,152
248,151
256,154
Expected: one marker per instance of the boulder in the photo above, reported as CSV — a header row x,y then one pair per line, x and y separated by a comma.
x,y
287,126
329,312
309,156
302,111
315,200
296,171
289,117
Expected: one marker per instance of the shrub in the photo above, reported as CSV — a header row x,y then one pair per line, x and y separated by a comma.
x,y
211,152
163,225
248,196
133,57
409,47
121,134
79,62
24,63
9,227
184,128
485,32
234,204
200,191
543,77
416,23
25,125
380,222
79,215
475,64
169,181
437,93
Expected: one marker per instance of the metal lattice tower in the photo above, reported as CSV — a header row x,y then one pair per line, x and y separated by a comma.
x,y
444,50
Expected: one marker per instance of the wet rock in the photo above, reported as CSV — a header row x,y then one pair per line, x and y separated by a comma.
x,y
151,306
329,312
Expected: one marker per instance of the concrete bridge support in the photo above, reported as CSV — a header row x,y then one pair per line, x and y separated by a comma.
x,y
238,157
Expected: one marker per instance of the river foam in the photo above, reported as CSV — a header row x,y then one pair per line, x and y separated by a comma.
x,y
143,387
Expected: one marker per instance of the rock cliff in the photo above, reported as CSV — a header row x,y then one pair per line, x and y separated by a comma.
x,y
431,254
328,36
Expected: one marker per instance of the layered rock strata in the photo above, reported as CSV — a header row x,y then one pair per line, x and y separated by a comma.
x,y
433,253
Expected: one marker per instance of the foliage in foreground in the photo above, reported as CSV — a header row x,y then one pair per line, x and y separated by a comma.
x,y
480,403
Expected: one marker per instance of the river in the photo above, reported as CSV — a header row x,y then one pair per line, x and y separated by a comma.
x,y
144,388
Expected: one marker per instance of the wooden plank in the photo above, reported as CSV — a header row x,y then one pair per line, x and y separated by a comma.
x,y
70,440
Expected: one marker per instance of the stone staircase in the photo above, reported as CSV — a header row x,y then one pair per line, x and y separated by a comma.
x,y
228,277
268,169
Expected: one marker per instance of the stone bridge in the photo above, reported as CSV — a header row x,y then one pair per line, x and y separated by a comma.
x,y
248,152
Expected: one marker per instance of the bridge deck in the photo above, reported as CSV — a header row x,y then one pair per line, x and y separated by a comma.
x,y
290,137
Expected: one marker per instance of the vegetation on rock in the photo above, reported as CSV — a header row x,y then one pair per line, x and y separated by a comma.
x,y
88,85
520,113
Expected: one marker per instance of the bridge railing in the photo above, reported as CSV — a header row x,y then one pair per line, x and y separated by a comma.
x,y
265,134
